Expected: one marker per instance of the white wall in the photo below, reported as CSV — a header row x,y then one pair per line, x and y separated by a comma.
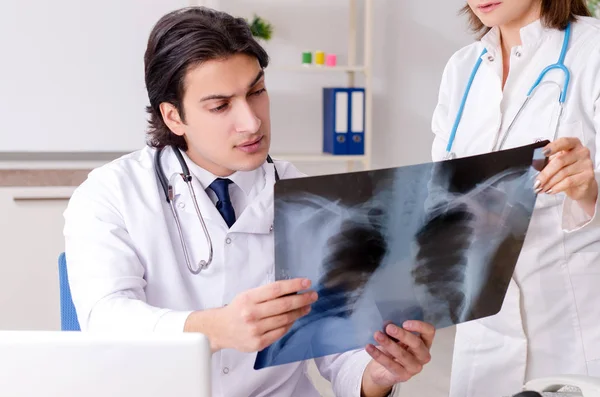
x,y
420,37
72,73
74,79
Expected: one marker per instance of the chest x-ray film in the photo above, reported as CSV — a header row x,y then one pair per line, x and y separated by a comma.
x,y
436,242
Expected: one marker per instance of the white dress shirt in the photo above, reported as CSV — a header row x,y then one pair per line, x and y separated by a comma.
x,y
127,271
242,191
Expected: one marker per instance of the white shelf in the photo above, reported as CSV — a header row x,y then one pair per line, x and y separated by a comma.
x,y
317,157
320,69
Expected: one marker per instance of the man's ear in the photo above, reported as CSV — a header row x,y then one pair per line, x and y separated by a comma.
x,y
172,118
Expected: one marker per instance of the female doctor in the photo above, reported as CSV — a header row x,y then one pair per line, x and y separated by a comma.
x,y
550,321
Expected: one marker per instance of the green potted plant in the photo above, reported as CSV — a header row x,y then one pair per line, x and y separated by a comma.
x,y
260,28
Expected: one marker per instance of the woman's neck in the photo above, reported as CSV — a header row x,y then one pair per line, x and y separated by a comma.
x,y
510,35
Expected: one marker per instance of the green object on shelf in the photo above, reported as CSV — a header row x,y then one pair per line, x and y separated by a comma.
x,y
307,58
260,28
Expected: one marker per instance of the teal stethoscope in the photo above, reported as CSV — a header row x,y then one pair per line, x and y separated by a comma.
x,y
563,94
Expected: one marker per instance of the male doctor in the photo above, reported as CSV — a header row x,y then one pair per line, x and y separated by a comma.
x,y
127,270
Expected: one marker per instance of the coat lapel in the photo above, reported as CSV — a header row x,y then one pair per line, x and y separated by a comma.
x,y
257,218
183,199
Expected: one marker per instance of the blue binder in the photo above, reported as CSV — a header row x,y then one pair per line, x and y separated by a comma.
x,y
336,103
356,144
343,120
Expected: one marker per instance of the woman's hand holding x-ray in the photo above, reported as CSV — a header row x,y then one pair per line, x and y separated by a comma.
x,y
570,170
397,361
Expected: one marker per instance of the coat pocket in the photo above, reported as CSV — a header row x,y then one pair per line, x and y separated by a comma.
x,y
584,272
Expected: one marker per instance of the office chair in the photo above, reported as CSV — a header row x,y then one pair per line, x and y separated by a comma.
x,y
68,315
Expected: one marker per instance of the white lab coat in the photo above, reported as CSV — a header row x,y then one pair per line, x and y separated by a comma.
x,y
127,270
550,321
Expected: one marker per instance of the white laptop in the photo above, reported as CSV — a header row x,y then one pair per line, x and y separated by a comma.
x,y
77,364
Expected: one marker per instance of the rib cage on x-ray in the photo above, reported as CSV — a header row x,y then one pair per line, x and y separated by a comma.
x,y
464,247
345,249
459,240
436,242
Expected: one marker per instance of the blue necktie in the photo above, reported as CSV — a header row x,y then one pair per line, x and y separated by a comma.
x,y
221,188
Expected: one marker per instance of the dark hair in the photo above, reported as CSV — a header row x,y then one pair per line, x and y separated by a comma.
x,y
555,14
183,39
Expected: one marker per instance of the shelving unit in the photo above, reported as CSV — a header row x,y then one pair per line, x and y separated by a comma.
x,y
351,69
320,69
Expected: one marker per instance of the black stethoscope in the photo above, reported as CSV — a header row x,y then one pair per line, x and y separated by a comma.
x,y
169,191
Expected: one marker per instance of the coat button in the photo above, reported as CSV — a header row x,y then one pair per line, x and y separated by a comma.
x,y
181,205
225,370
490,58
228,240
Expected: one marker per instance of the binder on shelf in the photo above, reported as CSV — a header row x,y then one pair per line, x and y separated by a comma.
x,y
343,120
335,120
356,143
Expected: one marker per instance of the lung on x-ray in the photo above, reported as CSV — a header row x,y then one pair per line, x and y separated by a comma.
x,y
436,242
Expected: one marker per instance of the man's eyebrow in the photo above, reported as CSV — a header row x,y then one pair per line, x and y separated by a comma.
x,y
226,97
257,78
216,96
